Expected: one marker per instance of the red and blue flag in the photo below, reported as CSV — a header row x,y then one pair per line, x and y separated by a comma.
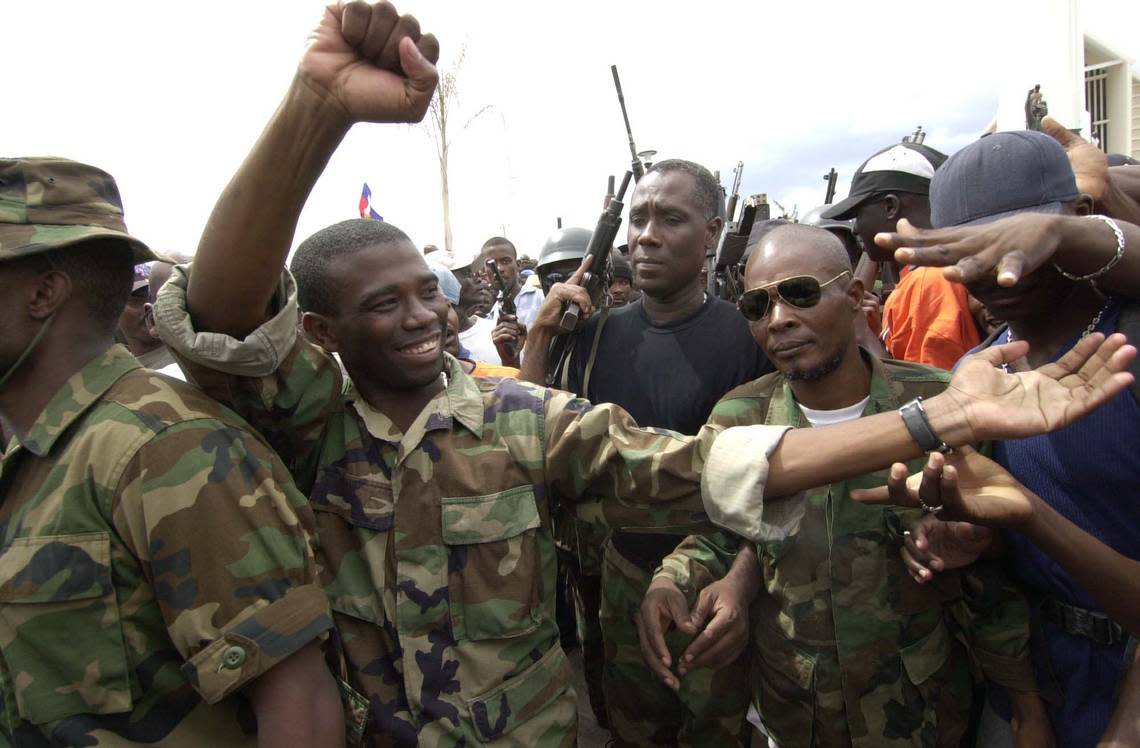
x,y
366,209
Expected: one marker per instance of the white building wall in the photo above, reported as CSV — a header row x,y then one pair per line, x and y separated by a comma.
x,y
1045,46
1135,117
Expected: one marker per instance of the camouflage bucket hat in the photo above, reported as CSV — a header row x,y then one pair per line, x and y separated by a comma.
x,y
49,203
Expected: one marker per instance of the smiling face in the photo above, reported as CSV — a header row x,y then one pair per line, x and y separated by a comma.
x,y
805,344
390,317
669,234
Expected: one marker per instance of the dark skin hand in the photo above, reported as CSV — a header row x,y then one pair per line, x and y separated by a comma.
x,y
972,488
548,322
932,545
720,616
1014,247
1107,187
363,63
509,337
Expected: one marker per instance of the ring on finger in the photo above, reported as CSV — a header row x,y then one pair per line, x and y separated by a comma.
x,y
930,509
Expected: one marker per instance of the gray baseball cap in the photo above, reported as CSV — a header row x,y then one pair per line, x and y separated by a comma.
x,y
1003,174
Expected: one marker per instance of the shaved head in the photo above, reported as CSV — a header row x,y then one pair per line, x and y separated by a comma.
x,y
810,246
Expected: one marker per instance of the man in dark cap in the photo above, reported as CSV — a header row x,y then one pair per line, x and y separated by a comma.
x,y
1056,274
155,567
926,319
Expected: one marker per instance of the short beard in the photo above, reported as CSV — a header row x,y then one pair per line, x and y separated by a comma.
x,y
815,373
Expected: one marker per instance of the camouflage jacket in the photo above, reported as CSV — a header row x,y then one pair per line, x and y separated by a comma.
x,y
436,543
154,558
847,648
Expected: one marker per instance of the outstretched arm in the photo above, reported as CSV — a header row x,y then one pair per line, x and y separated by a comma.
x,y
1014,247
363,63
982,403
975,489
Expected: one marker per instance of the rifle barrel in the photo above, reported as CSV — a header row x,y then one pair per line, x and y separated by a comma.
x,y
638,167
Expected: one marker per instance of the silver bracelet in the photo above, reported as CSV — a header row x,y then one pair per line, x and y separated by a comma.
x,y
1108,265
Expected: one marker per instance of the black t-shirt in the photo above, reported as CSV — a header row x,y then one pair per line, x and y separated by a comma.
x,y
667,375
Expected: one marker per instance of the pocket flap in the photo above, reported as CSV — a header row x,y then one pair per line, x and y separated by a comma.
x,y
483,519
926,656
56,568
498,711
360,501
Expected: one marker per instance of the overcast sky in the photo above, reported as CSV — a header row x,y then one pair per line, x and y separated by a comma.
x,y
169,97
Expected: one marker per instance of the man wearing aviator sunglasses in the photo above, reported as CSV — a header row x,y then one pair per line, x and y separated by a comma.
x,y
802,291
831,556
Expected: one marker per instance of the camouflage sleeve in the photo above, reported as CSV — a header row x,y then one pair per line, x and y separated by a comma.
x,y
660,480
994,612
601,453
282,384
699,560
223,537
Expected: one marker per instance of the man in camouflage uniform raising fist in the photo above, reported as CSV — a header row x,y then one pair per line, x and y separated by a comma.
x,y
434,490
156,578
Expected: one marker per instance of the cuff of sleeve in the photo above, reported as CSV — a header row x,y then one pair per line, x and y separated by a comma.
x,y
675,570
1011,673
259,642
733,480
258,355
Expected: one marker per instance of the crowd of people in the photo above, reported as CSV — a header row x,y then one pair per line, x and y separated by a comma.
x,y
884,497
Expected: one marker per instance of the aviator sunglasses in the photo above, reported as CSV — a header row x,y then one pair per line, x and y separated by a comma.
x,y
800,291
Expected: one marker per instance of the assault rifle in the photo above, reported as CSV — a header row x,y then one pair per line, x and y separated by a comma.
x,y
597,280
730,210
725,281
830,178
506,303
638,166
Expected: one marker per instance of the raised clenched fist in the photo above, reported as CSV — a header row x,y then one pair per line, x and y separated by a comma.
x,y
371,62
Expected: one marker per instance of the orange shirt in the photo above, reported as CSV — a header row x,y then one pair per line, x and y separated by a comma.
x,y
927,319
494,370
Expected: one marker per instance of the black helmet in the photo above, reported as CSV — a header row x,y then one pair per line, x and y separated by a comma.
x,y
621,266
564,244
814,217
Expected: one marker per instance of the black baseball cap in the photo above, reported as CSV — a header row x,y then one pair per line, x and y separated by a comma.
x,y
903,167
1023,171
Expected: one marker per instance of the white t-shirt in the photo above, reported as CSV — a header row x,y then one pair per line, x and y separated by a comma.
x,y
477,340
832,417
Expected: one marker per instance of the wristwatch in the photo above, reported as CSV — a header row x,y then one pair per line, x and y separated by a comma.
x,y
914,416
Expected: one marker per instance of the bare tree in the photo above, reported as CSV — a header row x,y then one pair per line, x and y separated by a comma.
x,y
443,106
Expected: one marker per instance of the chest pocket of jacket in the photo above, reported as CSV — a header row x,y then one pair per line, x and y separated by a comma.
x,y
60,631
494,574
354,518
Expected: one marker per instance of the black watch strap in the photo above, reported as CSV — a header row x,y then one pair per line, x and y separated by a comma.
x,y
914,416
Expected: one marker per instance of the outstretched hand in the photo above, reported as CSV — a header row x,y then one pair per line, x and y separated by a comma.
x,y
1009,249
1090,164
1000,405
371,62
932,545
968,486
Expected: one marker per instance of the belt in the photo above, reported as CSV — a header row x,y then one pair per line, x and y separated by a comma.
x,y
644,549
1081,622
